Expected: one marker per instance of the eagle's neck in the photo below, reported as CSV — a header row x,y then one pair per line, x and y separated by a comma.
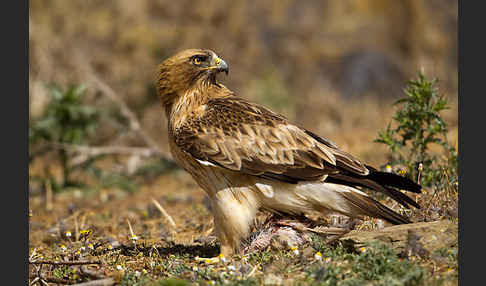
x,y
192,102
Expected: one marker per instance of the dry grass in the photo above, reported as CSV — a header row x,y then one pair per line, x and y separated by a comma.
x,y
160,253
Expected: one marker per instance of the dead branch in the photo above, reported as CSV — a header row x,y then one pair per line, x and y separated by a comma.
x,y
100,282
85,152
92,151
134,124
50,279
64,262
92,273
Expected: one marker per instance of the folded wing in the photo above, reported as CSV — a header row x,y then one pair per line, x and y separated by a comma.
x,y
245,137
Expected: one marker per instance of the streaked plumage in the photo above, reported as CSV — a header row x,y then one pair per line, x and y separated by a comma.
x,y
247,157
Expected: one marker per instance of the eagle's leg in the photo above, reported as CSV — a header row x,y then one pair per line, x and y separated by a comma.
x,y
234,210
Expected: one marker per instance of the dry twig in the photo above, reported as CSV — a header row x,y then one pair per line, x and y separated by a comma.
x,y
164,213
37,262
132,234
86,152
50,279
48,187
100,282
92,273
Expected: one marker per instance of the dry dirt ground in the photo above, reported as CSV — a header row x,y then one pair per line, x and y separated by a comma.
x,y
94,226
133,243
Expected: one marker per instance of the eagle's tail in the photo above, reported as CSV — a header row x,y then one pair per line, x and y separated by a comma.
x,y
346,200
388,183
361,203
333,195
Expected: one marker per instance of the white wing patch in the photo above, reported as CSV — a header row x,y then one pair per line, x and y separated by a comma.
x,y
266,190
206,163
352,190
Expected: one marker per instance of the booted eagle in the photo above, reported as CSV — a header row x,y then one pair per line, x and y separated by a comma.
x,y
247,157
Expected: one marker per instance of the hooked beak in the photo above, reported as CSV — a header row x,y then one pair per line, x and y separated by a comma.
x,y
219,65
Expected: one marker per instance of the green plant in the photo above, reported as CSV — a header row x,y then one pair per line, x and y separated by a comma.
x,y
170,282
418,124
132,279
376,263
67,120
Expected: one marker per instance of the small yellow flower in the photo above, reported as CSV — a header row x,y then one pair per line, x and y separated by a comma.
x,y
221,257
295,250
388,168
318,255
68,233
208,260
134,237
110,247
402,172
63,247
327,259
91,246
362,249
85,232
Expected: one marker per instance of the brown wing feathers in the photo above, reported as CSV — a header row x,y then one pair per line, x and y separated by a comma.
x,y
255,140
242,136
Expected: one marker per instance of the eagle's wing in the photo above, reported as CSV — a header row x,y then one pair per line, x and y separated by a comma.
x,y
241,136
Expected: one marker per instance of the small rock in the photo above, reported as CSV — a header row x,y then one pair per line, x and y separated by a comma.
x,y
321,273
428,235
272,279
308,252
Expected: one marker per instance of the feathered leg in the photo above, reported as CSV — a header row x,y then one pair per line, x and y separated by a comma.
x,y
234,211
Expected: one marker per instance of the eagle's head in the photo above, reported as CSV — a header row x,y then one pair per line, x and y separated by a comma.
x,y
185,69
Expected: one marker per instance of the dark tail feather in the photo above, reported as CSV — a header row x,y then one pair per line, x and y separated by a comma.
x,y
373,208
393,180
381,182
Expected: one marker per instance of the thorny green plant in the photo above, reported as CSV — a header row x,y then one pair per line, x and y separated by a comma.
x,y
417,125
67,120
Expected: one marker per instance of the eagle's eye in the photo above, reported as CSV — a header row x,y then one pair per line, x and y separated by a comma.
x,y
197,60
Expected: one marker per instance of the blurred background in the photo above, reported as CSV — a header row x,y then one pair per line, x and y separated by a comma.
x,y
335,67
